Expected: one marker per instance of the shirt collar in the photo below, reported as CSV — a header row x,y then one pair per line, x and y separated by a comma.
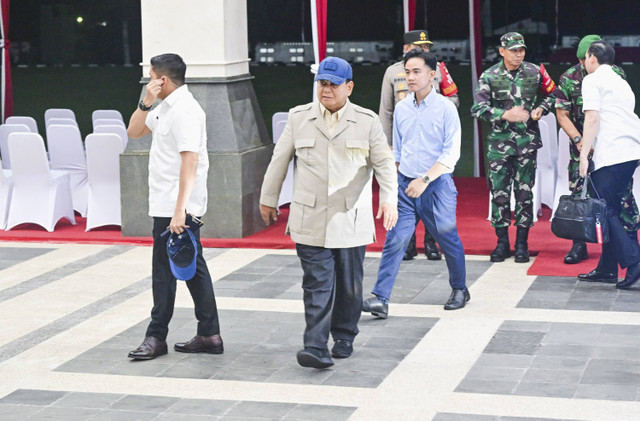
x,y
176,95
427,100
504,69
338,114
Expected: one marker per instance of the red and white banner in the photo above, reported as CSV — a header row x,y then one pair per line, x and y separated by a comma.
x,y
319,29
5,78
409,7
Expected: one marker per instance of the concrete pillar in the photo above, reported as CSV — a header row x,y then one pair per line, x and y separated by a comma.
x,y
211,37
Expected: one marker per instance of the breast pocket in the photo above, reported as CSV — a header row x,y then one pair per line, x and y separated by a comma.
x,y
357,151
305,150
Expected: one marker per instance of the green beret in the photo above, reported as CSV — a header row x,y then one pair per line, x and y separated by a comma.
x,y
584,45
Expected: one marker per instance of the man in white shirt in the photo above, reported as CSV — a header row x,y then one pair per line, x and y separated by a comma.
x,y
613,129
178,165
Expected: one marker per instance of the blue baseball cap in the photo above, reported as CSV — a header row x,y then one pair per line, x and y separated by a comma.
x,y
182,250
335,70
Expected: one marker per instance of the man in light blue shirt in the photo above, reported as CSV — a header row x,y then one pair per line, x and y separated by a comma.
x,y
426,147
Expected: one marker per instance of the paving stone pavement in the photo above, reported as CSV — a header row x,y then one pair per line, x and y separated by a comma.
x,y
525,348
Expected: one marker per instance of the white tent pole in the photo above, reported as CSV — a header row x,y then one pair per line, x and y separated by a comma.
x,y
474,83
314,37
405,6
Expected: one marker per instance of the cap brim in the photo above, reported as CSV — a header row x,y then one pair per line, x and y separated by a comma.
x,y
422,42
513,47
184,273
331,78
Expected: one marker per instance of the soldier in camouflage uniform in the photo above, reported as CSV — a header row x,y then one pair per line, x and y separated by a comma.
x,y
571,119
506,96
394,89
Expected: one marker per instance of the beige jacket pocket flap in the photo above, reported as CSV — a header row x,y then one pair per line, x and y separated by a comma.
x,y
357,143
304,198
307,142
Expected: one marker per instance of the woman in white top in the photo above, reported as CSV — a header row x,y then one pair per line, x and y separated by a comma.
x,y
613,130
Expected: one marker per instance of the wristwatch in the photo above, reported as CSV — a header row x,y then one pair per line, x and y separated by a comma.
x,y
576,139
426,179
144,107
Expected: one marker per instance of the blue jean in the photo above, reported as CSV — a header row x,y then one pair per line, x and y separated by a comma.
x,y
622,248
436,207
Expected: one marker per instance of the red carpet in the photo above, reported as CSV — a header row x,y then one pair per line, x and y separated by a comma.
x,y
475,231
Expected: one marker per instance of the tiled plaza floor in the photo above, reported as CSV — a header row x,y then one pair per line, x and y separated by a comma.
x,y
524,349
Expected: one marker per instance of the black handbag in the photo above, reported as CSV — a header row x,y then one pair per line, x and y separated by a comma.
x,y
581,218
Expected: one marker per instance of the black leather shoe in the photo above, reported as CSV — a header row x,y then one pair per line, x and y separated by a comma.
x,y
376,307
599,276
431,250
457,299
411,251
314,358
632,276
209,344
342,348
577,254
150,348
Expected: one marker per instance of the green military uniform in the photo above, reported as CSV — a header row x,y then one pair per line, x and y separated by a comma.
x,y
512,148
569,97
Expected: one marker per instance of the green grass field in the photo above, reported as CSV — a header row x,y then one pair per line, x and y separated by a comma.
x,y
278,88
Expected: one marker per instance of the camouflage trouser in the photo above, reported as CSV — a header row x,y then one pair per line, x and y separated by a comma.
x,y
629,209
521,171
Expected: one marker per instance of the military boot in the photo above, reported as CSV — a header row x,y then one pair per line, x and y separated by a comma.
x,y
431,249
501,251
411,251
522,248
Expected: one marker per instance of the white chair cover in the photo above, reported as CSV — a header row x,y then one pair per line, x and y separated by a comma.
x,y
29,121
278,122
562,163
114,114
547,163
66,153
5,131
62,121
108,122
40,196
103,165
58,113
6,187
552,124
121,131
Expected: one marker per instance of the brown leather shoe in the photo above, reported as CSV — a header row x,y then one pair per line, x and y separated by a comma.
x,y
149,349
208,344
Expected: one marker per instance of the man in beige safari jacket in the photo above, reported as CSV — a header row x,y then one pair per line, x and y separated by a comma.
x,y
337,147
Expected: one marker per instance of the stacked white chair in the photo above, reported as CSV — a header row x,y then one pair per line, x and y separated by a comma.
x,y
278,122
108,122
40,195
29,121
562,179
6,187
103,165
110,114
62,121
121,131
58,113
547,163
66,153
5,131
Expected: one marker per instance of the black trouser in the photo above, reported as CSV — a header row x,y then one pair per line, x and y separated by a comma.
x,y
164,287
332,284
611,182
